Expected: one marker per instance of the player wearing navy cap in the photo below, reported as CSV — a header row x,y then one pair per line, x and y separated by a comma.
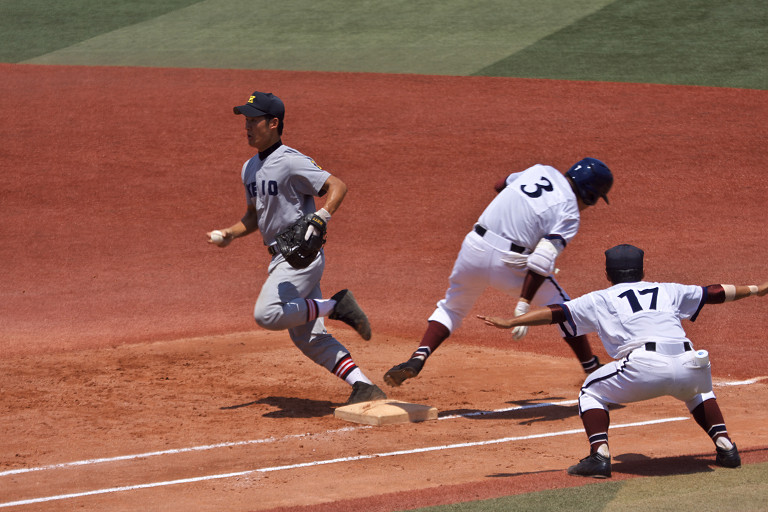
x,y
639,323
280,188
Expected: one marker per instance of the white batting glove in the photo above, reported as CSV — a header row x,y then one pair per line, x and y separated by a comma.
x,y
521,309
323,214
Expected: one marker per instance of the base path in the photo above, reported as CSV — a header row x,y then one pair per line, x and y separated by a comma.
x,y
203,424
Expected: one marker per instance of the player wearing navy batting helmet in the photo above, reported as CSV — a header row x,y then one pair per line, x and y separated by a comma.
x,y
513,248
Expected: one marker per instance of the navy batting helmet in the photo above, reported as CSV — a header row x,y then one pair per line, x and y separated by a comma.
x,y
592,180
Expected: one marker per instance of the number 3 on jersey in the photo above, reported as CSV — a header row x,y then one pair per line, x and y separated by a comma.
x,y
540,188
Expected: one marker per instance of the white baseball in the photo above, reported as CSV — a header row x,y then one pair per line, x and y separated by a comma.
x,y
217,236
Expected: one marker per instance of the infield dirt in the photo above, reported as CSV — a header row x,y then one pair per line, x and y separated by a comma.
x,y
125,333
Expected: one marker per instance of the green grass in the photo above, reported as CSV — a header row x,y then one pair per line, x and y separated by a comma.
x,y
453,37
701,42
704,42
31,28
742,490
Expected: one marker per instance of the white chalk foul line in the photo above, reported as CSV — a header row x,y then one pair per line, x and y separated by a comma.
x,y
739,382
177,451
169,452
325,462
268,440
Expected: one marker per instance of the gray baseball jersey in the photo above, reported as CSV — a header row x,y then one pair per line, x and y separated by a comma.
x,y
282,188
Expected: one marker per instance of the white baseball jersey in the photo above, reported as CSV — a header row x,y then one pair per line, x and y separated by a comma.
x,y
536,203
282,188
628,315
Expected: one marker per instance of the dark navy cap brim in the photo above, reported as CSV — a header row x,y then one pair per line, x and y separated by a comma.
x,y
248,111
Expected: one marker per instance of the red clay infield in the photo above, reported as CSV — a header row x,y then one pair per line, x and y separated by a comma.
x,y
126,337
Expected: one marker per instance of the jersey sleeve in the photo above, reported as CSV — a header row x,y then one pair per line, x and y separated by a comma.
x,y
245,185
306,176
579,316
565,223
690,299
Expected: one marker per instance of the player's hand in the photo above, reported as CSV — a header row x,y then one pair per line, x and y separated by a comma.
x,y
311,230
522,308
226,234
496,321
762,289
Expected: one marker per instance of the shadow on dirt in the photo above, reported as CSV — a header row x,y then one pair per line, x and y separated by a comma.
x,y
637,464
642,465
526,412
290,407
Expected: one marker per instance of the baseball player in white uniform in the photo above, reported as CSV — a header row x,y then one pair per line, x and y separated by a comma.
x,y
280,186
513,248
639,323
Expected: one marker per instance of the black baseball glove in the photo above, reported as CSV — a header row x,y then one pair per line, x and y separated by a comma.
x,y
297,247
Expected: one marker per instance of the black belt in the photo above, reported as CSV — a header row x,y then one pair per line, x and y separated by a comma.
x,y
272,249
651,346
480,230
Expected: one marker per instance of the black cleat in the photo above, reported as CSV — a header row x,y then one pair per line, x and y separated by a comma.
x,y
363,392
348,311
595,466
404,371
728,458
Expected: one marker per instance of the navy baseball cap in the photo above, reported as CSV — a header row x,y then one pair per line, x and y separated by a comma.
x,y
624,257
261,104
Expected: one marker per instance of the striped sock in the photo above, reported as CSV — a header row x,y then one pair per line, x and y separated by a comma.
x,y
719,436
707,414
319,307
344,367
598,440
592,364
348,371
596,423
421,353
311,310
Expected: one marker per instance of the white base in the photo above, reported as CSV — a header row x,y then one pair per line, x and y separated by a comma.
x,y
385,412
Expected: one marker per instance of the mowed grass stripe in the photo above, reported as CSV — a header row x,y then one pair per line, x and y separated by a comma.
x,y
706,42
451,37
31,28
706,490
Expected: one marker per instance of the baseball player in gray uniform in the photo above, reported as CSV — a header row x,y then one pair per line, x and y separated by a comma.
x,y
513,248
280,187
639,323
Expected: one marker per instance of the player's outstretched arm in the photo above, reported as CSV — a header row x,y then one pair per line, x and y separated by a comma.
x,y
539,316
719,293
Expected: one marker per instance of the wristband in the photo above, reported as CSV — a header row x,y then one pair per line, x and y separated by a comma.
x,y
752,289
